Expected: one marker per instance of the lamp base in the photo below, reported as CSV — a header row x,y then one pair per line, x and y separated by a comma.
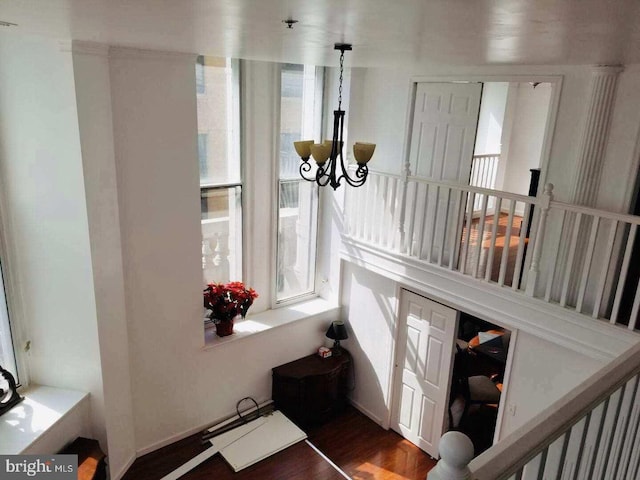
x,y
336,351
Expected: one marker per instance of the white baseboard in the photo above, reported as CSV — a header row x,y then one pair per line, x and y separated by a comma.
x,y
368,413
186,433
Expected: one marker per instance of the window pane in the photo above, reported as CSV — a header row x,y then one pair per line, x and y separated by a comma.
x,y
300,119
221,234
296,239
217,122
300,115
7,359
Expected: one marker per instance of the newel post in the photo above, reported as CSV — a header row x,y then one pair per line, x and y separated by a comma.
x,y
545,201
456,451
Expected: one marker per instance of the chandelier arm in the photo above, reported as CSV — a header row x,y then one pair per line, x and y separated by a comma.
x,y
305,167
322,177
361,176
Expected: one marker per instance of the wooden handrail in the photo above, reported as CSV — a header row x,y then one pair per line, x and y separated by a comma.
x,y
486,155
518,448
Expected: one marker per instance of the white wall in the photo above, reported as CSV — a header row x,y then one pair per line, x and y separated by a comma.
x,y
369,304
542,372
93,95
492,106
177,385
529,109
42,181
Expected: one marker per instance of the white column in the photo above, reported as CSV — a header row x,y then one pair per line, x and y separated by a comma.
x,y
595,134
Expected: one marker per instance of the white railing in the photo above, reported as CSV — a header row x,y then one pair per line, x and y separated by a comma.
x,y
433,222
592,432
484,172
572,257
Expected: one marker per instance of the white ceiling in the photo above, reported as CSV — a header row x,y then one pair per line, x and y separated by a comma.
x,y
384,32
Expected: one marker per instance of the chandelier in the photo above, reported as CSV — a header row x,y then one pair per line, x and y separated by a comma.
x,y
328,155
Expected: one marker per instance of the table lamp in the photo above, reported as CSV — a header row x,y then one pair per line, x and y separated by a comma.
x,y
337,331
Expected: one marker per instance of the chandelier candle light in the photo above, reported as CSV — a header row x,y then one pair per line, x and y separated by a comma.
x,y
328,154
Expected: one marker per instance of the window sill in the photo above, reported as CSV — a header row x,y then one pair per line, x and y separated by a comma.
x,y
263,321
46,420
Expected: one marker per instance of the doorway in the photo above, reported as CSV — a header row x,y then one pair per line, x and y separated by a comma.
x,y
442,357
508,156
478,379
424,354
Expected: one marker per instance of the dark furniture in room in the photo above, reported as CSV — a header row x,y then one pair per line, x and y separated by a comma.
x,y
311,390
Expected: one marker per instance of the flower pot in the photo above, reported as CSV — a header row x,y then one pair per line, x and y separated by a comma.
x,y
224,328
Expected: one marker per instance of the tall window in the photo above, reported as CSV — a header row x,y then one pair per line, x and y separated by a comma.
x,y
217,89
300,118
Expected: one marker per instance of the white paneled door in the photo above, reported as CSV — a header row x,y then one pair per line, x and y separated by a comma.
x,y
423,370
445,120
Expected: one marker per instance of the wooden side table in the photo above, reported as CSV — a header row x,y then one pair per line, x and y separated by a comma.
x,y
312,389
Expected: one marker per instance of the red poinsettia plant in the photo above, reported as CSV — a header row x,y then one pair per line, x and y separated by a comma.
x,y
226,301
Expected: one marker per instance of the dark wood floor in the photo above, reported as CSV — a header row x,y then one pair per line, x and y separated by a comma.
x,y
362,449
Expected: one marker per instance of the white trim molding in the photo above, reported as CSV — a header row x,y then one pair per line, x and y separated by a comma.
x,y
595,134
513,310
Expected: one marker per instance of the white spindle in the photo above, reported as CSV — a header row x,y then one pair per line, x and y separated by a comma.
x,y
606,438
381,224
494,236
465,246
421,220
586,266
347,213
572,256
393,217
623,273
605,269
507,241
534,268
360,219
630,429
483,217
633,319
410,228
455,243
633,467
515,281
445,226
374,209
431,202
595,420
554,263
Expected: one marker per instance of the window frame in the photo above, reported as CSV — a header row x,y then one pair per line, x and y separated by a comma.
x,y
10,296
319,130
234,137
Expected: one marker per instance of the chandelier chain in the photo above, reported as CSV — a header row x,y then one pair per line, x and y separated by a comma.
x,y
340,80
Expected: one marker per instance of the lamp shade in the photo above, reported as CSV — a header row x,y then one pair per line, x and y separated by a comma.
x,y
363,151
337,331
303,148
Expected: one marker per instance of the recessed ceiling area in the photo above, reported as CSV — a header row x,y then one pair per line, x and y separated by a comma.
x,y
383,32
